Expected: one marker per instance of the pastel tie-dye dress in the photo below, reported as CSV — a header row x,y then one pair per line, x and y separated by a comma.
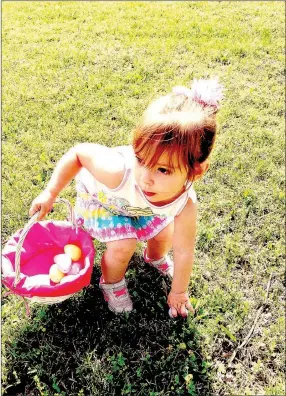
x,y
124,212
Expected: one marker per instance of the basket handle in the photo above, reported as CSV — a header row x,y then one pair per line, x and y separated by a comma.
x,y
26,229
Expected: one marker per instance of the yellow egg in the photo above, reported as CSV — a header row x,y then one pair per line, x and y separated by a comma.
x,y
73,251
55,274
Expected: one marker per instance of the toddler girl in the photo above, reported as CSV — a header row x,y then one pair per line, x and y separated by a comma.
x,y
145,191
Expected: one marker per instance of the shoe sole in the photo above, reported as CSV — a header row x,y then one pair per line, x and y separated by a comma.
x,y
119,312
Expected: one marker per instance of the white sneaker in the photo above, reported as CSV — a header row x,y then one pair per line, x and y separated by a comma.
x,y
164,265
117,296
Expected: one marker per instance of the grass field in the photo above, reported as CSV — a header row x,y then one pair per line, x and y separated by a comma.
x,y
85,71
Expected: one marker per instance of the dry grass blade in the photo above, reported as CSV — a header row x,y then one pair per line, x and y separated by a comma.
x,y
247,338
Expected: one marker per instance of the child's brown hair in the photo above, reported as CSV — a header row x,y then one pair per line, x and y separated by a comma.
x,y
182,124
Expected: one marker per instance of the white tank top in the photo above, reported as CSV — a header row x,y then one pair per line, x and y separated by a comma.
x,y
127,199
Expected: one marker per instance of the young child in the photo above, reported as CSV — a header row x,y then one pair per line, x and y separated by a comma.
x,y
145,191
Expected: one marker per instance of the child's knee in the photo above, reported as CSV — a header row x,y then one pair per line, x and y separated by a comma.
x,y
165,235
121,250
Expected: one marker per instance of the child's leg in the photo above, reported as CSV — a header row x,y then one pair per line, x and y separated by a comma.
x,y
159,246
116,258
157,249
113,265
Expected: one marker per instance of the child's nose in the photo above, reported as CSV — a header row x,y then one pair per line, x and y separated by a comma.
x,y
146,176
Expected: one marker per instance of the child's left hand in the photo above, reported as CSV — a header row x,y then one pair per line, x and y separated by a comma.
x,y
179,304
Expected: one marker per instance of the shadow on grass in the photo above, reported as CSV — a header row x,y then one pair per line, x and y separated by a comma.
x,y
79,347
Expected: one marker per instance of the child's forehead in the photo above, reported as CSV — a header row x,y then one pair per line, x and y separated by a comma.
x,y
167,159
158,156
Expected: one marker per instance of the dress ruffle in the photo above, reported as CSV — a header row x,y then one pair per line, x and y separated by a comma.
x,y
106,226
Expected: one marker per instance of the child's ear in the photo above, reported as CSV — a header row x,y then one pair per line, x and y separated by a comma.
x,y
205,166
200,169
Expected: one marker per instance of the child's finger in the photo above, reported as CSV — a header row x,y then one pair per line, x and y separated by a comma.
x,y
42,209
34,208
183,311
31,212
42,213
190,307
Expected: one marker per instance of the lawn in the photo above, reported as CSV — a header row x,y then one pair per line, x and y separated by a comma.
x,y
85,71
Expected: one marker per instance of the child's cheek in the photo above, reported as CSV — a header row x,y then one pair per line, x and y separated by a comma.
x,y
136,173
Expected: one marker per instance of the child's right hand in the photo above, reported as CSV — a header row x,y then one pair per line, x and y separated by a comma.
x,y
43,203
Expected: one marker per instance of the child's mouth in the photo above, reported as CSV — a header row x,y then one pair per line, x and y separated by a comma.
x,y
149,194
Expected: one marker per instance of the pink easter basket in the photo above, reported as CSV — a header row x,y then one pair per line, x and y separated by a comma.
x,y
28,256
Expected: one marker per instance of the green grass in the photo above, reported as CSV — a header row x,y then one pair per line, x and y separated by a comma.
x,y
85,71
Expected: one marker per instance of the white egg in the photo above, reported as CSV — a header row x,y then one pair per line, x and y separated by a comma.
x,y
64,262
173,317
75,269
67,278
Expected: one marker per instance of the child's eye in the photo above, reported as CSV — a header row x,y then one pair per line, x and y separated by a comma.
x,y
138,159
164,171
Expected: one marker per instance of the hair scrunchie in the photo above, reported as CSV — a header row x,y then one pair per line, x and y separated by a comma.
x,y
206,92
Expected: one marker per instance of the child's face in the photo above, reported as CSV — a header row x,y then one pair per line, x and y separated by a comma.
x,y
160,184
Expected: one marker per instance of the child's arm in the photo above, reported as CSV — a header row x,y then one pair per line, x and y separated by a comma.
x,y
183,249
104,163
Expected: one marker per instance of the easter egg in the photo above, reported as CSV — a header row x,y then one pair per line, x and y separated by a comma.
x,y
55,274
67,279
173,317
64,262
75,268
73,251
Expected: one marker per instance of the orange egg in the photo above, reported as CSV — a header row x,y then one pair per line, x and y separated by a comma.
x,y
55,274
73,251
